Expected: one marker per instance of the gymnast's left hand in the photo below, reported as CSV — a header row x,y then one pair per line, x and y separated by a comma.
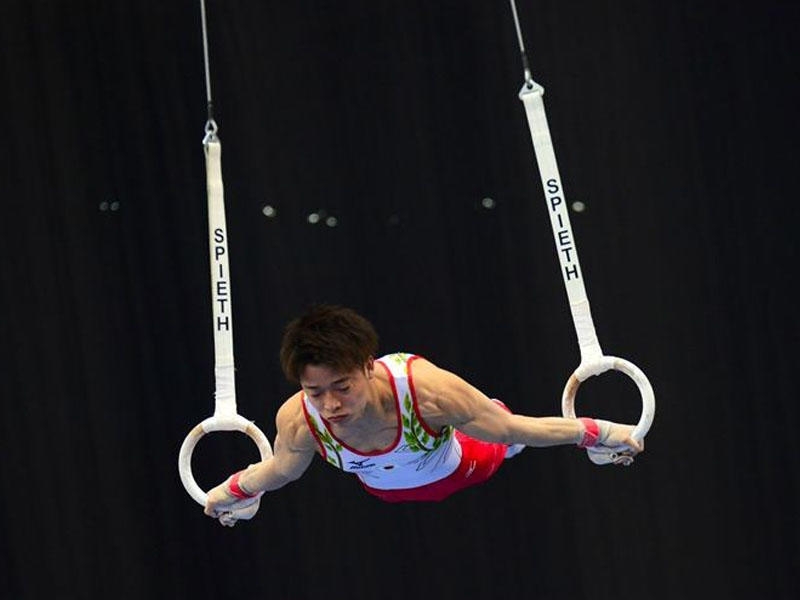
x,y
613,435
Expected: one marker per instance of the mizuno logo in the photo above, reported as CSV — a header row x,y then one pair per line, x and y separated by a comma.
x,y
360,464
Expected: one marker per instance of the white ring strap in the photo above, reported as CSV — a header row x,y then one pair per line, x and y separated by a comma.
x,y
225,417
593,362
531,96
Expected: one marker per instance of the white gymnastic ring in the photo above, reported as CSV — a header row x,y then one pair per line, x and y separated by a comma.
x,y
217,423
601,365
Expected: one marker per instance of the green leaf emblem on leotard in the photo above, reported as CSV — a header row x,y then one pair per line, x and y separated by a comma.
x,y
400,358
332,447
416,436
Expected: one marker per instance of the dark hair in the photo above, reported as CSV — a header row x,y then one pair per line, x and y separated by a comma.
x,y
334,336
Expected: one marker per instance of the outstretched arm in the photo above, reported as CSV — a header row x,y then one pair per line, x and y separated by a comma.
x,y
446,399
293,451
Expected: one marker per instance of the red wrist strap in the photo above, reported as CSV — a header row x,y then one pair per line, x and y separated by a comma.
x,y
591,433
236,490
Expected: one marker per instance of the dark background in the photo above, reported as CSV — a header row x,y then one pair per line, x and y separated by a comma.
x,y
674,122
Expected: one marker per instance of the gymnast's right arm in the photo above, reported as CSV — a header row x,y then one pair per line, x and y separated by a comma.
x,y
293,452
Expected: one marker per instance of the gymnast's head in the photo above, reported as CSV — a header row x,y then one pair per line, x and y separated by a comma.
x,y
332,336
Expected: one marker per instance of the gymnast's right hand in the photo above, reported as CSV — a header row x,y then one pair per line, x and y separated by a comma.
x,y
223,505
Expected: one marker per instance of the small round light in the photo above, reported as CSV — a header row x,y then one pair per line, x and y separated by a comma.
x,y
578,206
269,211
488,203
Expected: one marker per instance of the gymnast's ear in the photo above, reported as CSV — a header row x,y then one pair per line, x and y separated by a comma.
x,y
369,367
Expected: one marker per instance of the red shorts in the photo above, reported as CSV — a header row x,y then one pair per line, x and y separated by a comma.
x,y
479,461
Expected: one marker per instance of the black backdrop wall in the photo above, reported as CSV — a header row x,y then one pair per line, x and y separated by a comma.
x,y
672,122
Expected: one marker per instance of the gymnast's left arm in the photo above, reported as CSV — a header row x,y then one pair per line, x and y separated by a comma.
x,y
447,399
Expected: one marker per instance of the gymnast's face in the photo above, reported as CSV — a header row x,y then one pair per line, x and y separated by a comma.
x,y
341,398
